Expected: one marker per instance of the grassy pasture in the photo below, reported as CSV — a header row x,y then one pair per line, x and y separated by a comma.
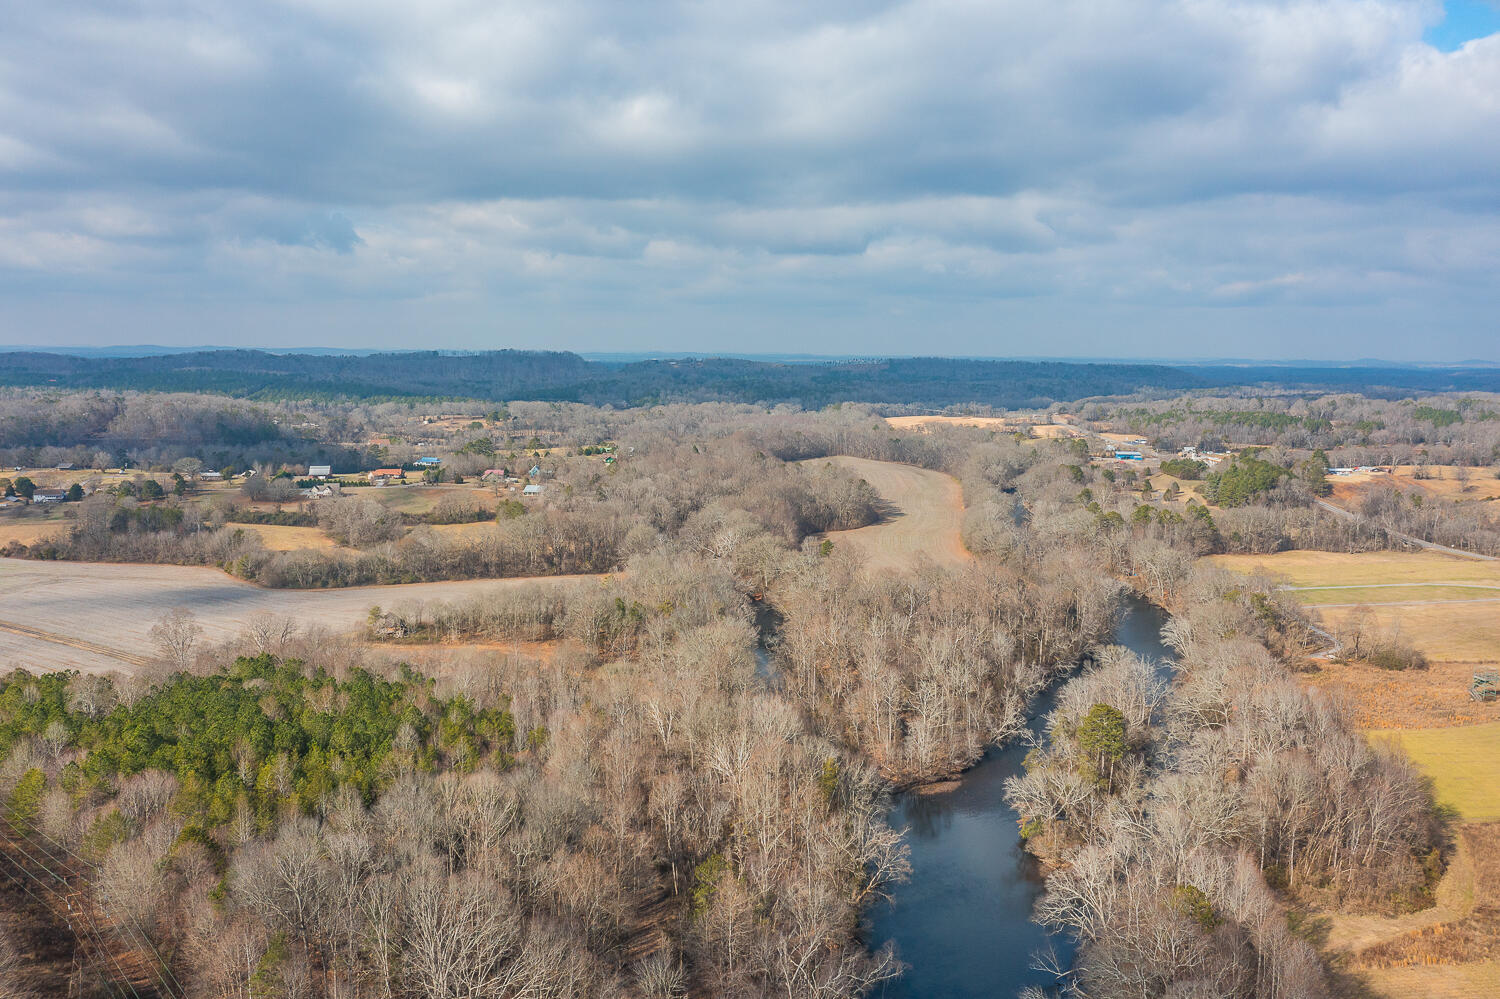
x,y
1464,632
286,539
113,606
1463,762
1304,568
30,530
1391,594
908,422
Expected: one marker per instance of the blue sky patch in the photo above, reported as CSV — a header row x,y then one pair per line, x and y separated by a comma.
x,y
1466,20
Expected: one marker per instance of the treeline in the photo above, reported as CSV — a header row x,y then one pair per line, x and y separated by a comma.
x,y
1376,428
1176,808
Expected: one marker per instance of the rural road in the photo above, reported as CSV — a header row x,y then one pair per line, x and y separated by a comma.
x,y
1429,545
97,617
926,516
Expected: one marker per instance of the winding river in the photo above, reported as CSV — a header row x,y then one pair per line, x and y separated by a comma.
x,y
963,921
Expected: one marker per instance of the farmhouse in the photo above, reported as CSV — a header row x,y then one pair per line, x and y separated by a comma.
x,y
49,496
381,476
532,490
319,471
429,462
211,476
493,473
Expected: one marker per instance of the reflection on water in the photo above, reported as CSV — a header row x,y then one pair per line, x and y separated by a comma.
x,y
963,922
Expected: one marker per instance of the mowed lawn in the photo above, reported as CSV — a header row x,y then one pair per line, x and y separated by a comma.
x,y
1397,594
1463,762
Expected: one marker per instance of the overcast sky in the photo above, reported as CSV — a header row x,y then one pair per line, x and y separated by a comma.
x,y
1141,178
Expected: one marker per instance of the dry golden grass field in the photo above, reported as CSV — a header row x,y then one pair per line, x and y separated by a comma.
x,y
29,531
1303,568
1447,951
106,610
286,539
909,422
1445,481
1444,605
924,521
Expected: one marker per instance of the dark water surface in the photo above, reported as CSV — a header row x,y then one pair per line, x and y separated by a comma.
x,y
963,922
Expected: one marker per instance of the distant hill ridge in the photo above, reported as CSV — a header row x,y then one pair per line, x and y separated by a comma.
x,y
565,376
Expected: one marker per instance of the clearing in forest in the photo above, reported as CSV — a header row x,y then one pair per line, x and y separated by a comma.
x,y
98,616
923,519
908,422
278,538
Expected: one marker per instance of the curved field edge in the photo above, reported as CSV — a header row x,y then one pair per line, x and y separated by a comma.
x,y
923,517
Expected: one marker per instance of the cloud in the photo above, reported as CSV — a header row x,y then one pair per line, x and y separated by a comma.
x,y
931,158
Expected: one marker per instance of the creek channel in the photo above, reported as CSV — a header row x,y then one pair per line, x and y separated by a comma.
x,y
963,922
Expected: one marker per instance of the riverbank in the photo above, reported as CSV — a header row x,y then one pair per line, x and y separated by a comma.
x,y
963,922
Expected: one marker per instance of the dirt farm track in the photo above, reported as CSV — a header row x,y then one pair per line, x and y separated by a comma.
x,y
97,617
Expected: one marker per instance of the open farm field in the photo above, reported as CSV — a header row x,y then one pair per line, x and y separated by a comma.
x,y
1463,762
30,530
421,499
1307,568
113,607
909,422
1466,631
1447,607
1418,698
924,521
1439,481
286,539
1397,593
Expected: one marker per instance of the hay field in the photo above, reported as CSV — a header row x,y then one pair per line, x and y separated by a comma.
x,y
1397,593
910,422
1305,568
285,539
1463,762
1445,481
1446,951
29,531
1466,631
924,519
113,607
1446,606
